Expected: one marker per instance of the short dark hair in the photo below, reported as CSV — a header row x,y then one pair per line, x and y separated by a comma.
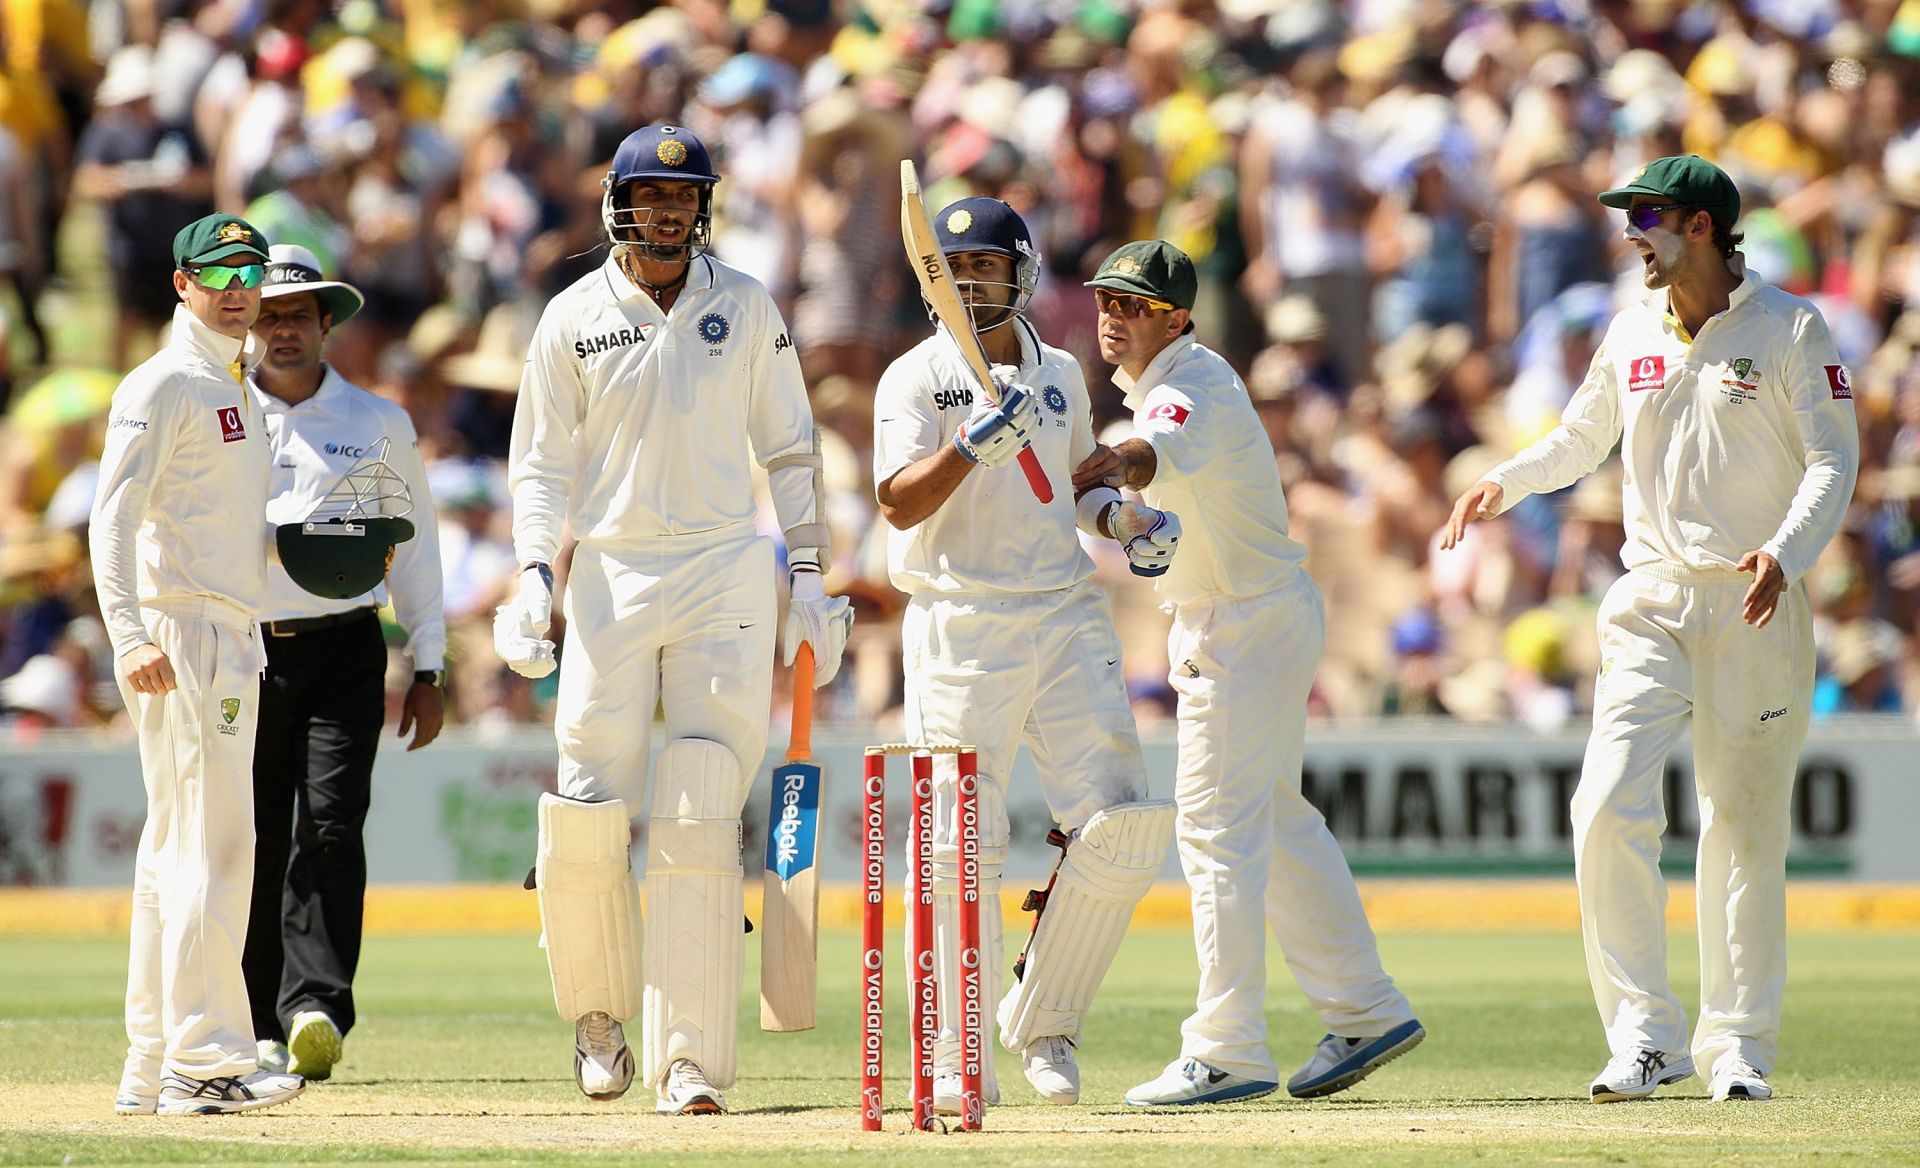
x,y
1724,236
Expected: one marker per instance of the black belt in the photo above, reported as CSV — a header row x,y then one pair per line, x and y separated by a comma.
x,y
314,624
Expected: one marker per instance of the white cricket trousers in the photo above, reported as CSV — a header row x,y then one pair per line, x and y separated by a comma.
x,y
1674,655
1254,851
193,877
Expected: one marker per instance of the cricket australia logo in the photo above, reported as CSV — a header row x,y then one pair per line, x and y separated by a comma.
x,y
714,328
1055,398
229,710
1742,367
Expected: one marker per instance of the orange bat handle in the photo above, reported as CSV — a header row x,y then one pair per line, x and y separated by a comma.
x,y
1036,478
800,742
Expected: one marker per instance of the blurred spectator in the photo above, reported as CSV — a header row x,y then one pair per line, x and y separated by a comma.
x,y
1859,677
1414,688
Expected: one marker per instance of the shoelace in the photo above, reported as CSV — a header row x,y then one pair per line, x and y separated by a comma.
x,y
690,1074
1645,1062
599,1027
1740,1068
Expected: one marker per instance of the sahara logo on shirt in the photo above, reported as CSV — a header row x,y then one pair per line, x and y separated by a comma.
x,y
1839,382
1172,411
619,338
230,428
1646,373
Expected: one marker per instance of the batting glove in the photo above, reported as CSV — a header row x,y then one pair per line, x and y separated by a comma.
x,y
1149,537
994,435
820,620
520,625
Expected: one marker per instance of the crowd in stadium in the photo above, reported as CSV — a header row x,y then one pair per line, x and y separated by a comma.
x,y
1391,204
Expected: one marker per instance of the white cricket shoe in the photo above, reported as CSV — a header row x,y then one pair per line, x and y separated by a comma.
x,y
1191,1080
181,1095
274,1055
129,1101
946,1092
313,1046
1052,1069
1735,1078
602,1060
139,1092
1634,1073
1340,1062
687,1092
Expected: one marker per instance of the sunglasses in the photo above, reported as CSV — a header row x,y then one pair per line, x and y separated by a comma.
x,y
218,277
1129,307
1648,215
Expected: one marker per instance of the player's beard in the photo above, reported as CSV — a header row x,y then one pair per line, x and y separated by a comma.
x,y
989,315
1667,251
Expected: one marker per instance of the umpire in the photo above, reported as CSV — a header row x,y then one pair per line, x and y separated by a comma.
x,y
323,698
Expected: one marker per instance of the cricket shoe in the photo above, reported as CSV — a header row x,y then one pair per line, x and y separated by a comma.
x,y
139,1092
313,1046
946,1092
1735,1078
687,1092
274,1055
602,1060
1052,1069
1636,1072
182,1095
1188,1081
131,1102
1339,1063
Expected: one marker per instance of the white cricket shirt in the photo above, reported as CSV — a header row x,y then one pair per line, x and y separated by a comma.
x,y
1216,471
313,444
183,484
991,535
632,424
1741,438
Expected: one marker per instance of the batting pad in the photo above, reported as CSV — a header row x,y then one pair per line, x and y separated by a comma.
x,y
589,907
1106,870
695,947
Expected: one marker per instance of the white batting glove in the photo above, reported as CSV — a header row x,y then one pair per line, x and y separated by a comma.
x,y
994,435
1149,537
520,625
820,620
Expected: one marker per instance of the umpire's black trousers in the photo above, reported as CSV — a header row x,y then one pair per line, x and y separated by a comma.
x,y
322,703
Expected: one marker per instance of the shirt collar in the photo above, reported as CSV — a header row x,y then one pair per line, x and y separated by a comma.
x,y
331,386
1659,300
699,277
217,349
1136,391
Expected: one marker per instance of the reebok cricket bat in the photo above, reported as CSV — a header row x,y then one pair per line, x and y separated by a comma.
x,y
936,284
789,939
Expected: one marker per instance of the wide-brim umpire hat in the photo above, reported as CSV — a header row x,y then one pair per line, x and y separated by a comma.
x,y
292,268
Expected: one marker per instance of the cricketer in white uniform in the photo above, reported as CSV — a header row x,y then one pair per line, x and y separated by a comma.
x,y
1248,629
653,386
180,564
1007,639
1735,418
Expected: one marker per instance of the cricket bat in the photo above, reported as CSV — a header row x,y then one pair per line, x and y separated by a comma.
x,y
936,284
790,936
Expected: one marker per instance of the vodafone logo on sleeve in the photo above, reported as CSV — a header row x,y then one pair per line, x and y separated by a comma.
x,y
1646,373
1839,382
1172,412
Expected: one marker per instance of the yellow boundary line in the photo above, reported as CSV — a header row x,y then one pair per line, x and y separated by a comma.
x,y
1394,906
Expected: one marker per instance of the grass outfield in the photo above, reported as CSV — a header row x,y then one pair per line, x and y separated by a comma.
x,y
459,1060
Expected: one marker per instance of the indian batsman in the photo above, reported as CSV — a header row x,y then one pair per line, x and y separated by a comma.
x,y
1735,419
653,387
1248,629
183,479
1006,639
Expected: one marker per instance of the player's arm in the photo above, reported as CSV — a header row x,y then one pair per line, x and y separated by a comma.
x,y
143,433
915,471
415,583
542,460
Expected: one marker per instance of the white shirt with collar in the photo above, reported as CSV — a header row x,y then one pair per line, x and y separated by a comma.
x,y
1738,439
1216,471
313,444
991,535
633,424
183,485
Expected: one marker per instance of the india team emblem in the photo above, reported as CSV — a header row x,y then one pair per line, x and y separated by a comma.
x,y
671,152
959,221
1055,397
714,328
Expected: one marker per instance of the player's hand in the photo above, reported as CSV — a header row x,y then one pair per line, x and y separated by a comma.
x,y
1149,537
994,435
424,711
520,625
1102,468
820,620
1482,501
1763,595
147,670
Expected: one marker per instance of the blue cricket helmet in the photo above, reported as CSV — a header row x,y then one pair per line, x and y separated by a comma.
x,y
978,223
658,152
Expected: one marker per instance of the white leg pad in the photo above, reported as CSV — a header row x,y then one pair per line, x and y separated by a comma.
x,y
589,906
695,948
1106,870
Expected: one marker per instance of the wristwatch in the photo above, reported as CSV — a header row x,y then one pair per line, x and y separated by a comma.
x,y
437,678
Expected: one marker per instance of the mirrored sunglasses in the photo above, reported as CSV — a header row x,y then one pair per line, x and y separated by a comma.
x,y
1128,307
1647,215
219,277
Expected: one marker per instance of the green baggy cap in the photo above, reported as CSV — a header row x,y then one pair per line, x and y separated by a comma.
x,y
1150,267
1687,179
218,237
